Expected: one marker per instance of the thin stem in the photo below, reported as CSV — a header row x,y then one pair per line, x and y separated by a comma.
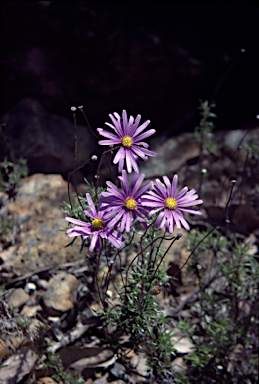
x,y
99,166
141,239
157,250
152,242
89,126
71,173
96,276
222,216
176,238
243,176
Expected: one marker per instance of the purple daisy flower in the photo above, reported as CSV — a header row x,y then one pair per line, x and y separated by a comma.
x,y
98,228
163,198
119,204
128,136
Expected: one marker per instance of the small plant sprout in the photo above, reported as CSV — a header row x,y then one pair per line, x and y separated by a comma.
x,y
129,139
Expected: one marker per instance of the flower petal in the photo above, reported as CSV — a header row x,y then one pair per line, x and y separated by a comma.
x,y
174,185
144,135
93,241
141,128
119,155
108,134
90,203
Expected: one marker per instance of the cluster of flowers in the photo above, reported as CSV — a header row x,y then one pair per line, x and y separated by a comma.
x,y
120,208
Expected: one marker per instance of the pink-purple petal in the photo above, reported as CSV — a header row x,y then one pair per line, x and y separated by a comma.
x,y
120,155
144,135
174,185
90,203
93,241
141,128
135,184
181,193
108,134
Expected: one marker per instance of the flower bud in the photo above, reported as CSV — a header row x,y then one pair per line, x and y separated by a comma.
x,y
155,290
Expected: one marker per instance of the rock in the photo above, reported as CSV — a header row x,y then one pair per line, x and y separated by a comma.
x,y
37,213
46,380
182,344
30,288
118,370
46,140
18,298
30,311
17,366
9,345
59,296
172,154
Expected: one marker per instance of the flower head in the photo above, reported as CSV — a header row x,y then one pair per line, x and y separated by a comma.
x,y
163,198
128,136
97,228
125,204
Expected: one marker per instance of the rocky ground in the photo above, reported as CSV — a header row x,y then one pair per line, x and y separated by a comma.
x,y
52,285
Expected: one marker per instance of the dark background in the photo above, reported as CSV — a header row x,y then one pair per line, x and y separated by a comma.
x,y
153,58
156,58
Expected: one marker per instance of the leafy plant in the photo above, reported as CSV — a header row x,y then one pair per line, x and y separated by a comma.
x,y
11,174
228,315
203,133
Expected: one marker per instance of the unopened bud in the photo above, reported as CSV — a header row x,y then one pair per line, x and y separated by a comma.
x,y
73,109
204,170
80,107
243,50
179,235
94,158
155,290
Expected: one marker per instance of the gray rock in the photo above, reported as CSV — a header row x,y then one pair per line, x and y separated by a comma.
x,y
45,140
172,154
59,296
18,298
41,243
30,288
118,370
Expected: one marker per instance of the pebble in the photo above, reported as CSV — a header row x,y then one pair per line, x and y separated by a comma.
x,y
59,295
18,298
30,288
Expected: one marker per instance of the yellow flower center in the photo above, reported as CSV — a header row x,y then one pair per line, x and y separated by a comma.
x,y
127,141
130,203
97,224
170,203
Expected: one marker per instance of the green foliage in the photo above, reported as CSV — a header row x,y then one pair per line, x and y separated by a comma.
x,y
6,226
253,146
137,313
225,314
228,315
203,133
160,347
11,174
24,324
